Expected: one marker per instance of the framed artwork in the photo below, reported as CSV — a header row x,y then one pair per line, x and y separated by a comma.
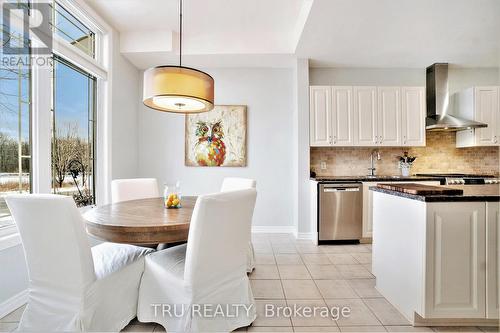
x,y
217,138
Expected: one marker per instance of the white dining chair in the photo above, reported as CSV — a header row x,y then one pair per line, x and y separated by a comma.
x,y
234,184
73,287
134,189
208,271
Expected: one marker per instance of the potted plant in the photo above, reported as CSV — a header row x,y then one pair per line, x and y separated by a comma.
x,y
405,163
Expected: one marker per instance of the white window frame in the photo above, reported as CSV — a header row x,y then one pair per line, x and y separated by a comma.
x,y
41,92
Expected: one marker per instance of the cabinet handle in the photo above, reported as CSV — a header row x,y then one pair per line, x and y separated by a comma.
x,y
404,139
334,139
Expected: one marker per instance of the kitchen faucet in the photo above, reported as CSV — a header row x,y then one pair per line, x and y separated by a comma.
x,y
375,153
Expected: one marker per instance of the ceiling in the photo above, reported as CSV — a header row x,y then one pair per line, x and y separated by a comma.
x,y
331,33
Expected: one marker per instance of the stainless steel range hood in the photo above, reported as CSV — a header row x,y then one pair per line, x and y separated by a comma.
x,y
438,103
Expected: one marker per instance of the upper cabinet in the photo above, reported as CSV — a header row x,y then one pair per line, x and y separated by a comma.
x,y
479,104
368,116
413,115
320,119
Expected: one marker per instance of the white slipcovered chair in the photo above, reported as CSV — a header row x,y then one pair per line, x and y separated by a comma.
x,y
73,287
235,184
134,189
208,271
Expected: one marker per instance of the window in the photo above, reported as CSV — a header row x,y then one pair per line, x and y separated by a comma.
x,y
73,128
15,130
73,30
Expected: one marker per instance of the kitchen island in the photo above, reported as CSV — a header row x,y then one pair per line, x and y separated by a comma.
x,y
436,257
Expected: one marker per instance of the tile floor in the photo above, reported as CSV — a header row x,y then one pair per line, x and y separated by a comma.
x,y
295,272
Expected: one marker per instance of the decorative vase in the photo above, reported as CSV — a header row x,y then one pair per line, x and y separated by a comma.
x,y
405,169
172,196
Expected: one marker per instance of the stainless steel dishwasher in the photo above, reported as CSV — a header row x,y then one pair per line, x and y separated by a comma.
x,y
340,211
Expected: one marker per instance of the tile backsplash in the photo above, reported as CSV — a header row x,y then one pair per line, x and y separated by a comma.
x,y
440,155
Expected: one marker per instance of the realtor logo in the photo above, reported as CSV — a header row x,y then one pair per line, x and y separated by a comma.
x,y
34,17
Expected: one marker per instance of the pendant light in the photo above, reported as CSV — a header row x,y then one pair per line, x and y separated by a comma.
x,y
178,89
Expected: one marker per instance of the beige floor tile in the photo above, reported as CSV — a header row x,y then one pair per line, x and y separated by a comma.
x,y
335,289
309,248
264,259
300,289
316,329
365,288
288,259
362,329
354,272
359,248
363,258
368,267
328,272
263,249
267,289
359,315
294,272
316,258
457,329
332,249
321,318
385,312
274,316
8,327
282,248
264,272
14,316
407,329
269,329
140,327
342,259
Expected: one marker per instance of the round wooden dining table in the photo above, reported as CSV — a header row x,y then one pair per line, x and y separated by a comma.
x,y
144,221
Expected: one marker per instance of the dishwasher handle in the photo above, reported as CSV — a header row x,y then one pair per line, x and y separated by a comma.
x,y
340,189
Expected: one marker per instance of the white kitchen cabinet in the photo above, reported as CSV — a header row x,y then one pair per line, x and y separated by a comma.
x,y
348,116
413,113
479,104
368,203
342,118
492,259
389,116
320,122
455,266
365,116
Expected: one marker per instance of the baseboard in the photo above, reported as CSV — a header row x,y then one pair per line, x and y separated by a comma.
x,y
288,229
13,303
304,235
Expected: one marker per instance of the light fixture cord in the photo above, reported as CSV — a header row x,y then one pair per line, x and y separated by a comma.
x,y
180,33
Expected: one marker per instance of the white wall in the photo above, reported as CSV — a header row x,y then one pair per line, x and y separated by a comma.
x,y
124,135
268,94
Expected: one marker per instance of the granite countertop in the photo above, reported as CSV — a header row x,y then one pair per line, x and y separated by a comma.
x,y
372,179
471,193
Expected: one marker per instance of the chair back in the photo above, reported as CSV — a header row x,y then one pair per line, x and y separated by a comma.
x,y
235,184
218,237
134,189
55,243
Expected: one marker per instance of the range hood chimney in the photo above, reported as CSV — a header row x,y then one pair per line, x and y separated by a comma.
x,y
438,103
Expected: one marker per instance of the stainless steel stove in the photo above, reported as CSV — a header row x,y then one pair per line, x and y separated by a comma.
x,y
462,179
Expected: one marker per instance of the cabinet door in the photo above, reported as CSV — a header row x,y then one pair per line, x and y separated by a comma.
x,y
342,116
486,111
389,116
413,116
492,259
320,116
365,116
455,261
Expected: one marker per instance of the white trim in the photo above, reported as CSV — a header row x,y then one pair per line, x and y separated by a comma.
x,y
286,229
305,235
13,303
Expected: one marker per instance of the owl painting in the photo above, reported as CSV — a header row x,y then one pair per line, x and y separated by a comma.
x,y
217,138
210,149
